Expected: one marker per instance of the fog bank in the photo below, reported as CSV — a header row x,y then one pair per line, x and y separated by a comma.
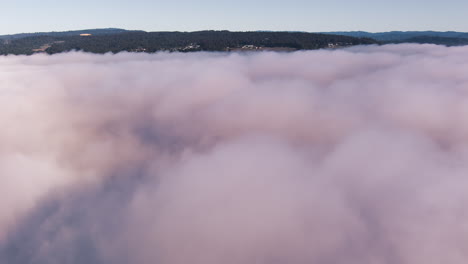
x,y
357,155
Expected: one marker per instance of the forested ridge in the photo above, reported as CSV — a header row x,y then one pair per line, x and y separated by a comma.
x,y
446,38
140,41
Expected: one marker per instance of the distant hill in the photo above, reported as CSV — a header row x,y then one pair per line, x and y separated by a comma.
x,y
449,38
400,35
117,40
103,31
435,40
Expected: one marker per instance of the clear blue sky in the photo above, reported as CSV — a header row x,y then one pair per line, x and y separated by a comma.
x,y
185,15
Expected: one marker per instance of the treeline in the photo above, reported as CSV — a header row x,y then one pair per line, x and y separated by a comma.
x,y
403,36
101,31
434,40
25,45
178,41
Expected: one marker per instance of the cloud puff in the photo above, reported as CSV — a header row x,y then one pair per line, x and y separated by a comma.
x,y
357,155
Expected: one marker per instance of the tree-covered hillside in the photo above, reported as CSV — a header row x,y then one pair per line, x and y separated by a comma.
x,y
435,40
141,41
448,38
393,36
101,31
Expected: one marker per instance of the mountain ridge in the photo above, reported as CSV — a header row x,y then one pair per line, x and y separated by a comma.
x,y
116,40
142,41
95,31
400,35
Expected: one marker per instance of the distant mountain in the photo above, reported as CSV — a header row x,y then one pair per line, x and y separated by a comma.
x,y
102,31
117,40
449,38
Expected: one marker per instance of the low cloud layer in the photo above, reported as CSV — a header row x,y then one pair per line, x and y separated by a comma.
x,y
346,156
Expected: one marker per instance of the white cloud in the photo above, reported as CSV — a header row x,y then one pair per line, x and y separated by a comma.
x,y
355,155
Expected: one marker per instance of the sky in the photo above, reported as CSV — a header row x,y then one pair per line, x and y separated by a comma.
x,y
241,15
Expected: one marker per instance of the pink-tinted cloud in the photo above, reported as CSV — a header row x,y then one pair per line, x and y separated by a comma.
x,y
357,155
